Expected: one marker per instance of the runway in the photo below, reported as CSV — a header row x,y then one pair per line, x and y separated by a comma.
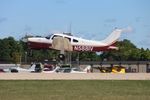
x,y
68,76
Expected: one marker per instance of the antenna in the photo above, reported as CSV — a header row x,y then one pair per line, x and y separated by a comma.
x,y
69,30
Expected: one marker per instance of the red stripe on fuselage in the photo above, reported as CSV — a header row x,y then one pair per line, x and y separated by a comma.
x,y
37,45
82,48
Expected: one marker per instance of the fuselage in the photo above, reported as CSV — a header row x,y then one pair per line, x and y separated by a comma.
x,y
78,44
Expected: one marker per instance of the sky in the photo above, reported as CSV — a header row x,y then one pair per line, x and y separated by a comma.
x,y
90,19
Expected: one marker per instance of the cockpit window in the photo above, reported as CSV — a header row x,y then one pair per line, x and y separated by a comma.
x,y
48,37
74,40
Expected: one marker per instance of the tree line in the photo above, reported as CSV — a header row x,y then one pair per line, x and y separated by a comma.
x,y
14,51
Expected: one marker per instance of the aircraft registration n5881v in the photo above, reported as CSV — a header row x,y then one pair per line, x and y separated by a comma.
x,y
76,44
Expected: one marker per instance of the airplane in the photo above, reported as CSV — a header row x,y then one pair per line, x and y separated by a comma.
x,y
75,43
33,68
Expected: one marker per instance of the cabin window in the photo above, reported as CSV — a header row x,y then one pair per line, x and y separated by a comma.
x,y
74,40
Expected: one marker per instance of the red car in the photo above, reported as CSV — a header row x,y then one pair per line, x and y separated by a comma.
x,y
2,71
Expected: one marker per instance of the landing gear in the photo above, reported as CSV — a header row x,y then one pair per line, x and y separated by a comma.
x,y
61,57
65,58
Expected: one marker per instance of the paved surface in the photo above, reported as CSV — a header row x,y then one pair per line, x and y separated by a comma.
x,y
67,76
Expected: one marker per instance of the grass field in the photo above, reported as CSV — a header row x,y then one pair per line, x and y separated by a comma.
x,y
74,90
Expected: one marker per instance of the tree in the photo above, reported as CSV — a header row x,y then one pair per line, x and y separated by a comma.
x,y
8,46
127,51
144,54
12,51
88,56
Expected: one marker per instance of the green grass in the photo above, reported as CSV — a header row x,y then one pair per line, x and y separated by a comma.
x,y
74,90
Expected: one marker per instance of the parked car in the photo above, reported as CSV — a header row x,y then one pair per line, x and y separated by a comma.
x,y
2,71
70,70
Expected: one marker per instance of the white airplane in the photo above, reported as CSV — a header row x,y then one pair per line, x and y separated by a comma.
x,y
19,69
77,44
88,69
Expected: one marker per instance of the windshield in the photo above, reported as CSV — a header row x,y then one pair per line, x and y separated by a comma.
x,y
48,37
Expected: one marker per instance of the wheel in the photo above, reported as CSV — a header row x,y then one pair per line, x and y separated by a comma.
x,y
61,56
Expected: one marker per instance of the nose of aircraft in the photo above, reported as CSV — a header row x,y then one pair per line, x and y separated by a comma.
x,y
33,39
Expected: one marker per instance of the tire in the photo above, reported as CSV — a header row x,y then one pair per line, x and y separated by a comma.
x,y
61,56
